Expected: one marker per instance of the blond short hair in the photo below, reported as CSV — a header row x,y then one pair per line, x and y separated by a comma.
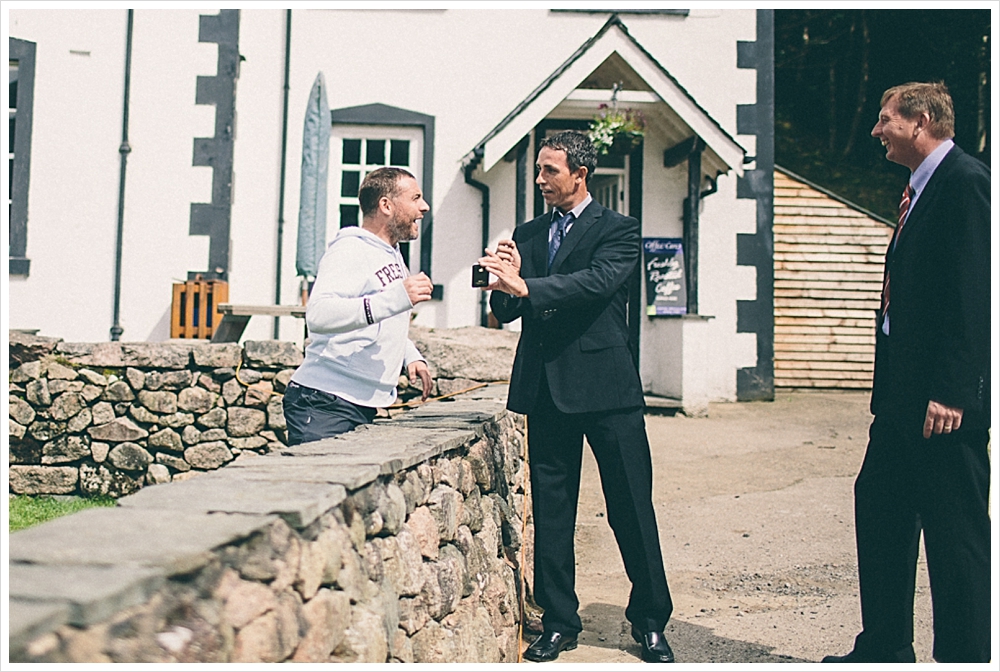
x,y
915,98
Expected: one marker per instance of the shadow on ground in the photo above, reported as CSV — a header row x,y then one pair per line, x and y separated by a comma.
x,y
605,626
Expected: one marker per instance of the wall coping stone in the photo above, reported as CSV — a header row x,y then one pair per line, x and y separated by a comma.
x,y
93,592
120,535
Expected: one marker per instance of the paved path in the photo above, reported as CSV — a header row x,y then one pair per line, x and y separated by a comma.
x,y
756,517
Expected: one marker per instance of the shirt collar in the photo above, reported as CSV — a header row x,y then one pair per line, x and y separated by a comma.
x,y
922,175
577,211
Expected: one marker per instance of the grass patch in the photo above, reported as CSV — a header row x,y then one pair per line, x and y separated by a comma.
x,y
28,510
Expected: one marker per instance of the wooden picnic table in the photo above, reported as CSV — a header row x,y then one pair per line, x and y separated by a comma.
x,y
235,318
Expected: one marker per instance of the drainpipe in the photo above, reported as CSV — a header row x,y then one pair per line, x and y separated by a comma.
x,y
485,191
123,151
284,161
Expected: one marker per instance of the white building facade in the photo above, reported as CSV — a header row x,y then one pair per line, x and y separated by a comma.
x,y
461,97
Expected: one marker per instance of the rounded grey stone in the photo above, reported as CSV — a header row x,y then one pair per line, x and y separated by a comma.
x,y
80,421
157,473
118,430
166,439
196,399
215,418
209,455
93,378
118,391
103,413
99,451
159,402
175,463
46,430
65,449
245,421
190,435
21,411
130,457
249,376
135,378
60,372
66,405
37,392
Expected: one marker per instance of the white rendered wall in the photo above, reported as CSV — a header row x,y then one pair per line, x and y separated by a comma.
x,y
73,197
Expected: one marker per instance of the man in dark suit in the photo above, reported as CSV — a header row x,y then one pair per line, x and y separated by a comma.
x,y
927,465
565,275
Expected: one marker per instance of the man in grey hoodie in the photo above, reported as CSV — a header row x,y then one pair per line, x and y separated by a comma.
x,y
358,316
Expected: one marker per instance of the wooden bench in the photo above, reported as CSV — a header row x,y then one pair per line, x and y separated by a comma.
x,y
235,318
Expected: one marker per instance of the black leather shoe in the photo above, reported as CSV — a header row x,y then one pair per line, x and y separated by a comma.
x,y
654,646
904,655
548,647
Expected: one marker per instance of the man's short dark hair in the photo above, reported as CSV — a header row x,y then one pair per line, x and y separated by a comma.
x,y
915,98
378,183
580,151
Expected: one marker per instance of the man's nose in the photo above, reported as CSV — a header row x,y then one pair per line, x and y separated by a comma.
x,y
875,131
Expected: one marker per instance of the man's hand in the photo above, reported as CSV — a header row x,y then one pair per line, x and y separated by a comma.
x,y
508,275
941,419
418,288
507,251
419,368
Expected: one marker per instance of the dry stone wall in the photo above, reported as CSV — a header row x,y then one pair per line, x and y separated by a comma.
x,y
403,541
108,418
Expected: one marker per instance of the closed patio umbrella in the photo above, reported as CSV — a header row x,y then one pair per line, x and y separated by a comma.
x,y
315,170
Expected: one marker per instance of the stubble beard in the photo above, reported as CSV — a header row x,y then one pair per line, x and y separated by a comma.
x,y
401,231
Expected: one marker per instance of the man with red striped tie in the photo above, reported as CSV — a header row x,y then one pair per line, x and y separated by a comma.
x,y
927,465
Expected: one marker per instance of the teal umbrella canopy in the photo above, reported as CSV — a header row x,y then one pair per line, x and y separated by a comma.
x,y
315,173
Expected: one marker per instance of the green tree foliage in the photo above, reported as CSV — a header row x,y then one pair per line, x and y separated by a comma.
x,y
831,68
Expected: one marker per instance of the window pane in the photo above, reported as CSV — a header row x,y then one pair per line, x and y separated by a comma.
x,y
351,152
399,152
350,180
11,134
348,215
375,152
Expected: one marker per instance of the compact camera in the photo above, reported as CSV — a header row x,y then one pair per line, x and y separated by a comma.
x,y
480,276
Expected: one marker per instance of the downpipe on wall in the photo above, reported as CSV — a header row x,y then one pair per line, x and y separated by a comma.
x,y
485,191
123,150
281,181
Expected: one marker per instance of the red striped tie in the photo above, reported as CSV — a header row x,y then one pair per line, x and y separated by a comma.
x,y
904,207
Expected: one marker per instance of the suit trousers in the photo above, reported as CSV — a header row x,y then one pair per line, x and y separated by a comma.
x,y
555,452
941,485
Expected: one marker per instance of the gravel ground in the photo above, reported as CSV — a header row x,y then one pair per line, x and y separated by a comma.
x,y
756,516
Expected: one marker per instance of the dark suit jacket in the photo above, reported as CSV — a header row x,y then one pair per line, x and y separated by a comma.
x,y
574,319
939,309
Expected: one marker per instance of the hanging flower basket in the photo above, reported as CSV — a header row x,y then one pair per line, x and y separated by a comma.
x,y
617,132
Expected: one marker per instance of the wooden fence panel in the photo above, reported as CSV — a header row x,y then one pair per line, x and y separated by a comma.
x,y
828,257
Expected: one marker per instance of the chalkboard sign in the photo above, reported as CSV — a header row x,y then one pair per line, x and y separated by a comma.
x,y
666,286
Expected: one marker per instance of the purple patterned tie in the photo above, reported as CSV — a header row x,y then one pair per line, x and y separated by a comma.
x,y
558,235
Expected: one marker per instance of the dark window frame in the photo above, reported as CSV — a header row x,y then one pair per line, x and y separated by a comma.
x,y
23,52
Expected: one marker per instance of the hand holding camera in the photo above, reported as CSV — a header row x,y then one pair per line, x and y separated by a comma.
x,y
505,265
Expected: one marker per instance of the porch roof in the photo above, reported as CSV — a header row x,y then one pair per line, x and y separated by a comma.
x,y
567,77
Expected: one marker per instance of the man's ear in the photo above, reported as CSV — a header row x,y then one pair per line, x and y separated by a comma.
x,y
385,205
582,170
923,122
